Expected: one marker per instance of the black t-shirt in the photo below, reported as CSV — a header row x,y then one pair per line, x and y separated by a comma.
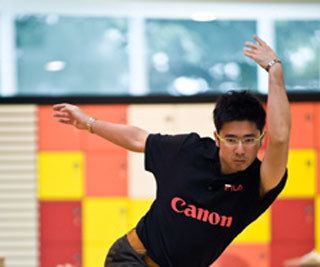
x,y
197,211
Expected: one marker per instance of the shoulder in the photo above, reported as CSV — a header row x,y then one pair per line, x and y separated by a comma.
x,y
178,139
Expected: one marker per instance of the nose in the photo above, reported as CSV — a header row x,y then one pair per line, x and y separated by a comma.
x,y
239,149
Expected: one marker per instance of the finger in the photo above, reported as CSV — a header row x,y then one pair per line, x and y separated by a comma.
x,y
60,115
65,110
259,40
251,45
249,53
65,121
59,106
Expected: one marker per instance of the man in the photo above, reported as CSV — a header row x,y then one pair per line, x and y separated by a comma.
x,y
207,191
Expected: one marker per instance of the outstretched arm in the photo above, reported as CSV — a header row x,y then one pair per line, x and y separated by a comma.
x,y
126,136
278,116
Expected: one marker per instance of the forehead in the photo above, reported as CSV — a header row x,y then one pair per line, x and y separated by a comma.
x,y
239,128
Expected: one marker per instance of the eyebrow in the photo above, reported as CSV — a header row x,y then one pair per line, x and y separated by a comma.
x,y
235,136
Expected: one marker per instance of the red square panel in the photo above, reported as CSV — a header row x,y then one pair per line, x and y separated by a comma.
x,y
54,135
60,221
110,113
106,173
293,220
283,251
60,254
244,255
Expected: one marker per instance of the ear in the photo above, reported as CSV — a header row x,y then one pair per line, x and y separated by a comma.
x,y
216,139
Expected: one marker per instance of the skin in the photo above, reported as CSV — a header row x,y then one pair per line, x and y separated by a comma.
x,y
237,158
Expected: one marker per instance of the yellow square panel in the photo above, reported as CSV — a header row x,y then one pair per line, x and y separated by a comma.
x,y
301,174
60,175
104,221
137,209
257,232
94,254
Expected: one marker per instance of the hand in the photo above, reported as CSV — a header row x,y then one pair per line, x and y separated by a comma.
x,y
71,114
260,52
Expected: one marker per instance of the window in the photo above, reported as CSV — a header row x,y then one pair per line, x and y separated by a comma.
x,y
71,55
187,57
147,49
298,43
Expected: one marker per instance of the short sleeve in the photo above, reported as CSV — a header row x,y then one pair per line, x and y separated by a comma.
x,y
162,150
271,195
263,203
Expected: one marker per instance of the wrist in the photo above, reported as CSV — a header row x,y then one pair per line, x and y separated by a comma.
x,y
89,124
271,63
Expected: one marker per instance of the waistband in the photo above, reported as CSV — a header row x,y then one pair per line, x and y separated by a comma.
x,y
138,247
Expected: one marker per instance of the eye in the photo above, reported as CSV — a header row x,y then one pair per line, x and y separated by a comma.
x,y
231,140
249,140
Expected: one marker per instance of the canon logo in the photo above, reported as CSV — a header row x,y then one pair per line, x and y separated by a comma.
x,y
180,206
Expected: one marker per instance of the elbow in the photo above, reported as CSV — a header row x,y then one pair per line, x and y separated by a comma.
x,y
280,138
137,147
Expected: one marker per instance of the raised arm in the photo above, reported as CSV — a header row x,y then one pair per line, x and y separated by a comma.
x,y
278,116
126,136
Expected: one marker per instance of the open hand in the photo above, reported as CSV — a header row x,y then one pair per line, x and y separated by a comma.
x,y
260,52
71,114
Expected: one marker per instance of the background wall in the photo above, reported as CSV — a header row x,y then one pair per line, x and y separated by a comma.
x,y
91,192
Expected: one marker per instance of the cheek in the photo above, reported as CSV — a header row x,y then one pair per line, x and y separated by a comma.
x,y
227,153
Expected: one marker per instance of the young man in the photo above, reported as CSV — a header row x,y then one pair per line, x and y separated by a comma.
x,y
207,191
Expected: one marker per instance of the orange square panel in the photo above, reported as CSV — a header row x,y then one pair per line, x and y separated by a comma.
x,y
106,173
318,172
53,135
244,255
111,113
317,124
303,125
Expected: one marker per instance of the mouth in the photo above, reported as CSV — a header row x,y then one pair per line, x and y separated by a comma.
x,y
239,161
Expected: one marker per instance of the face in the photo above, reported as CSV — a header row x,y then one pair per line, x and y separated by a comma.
x,y
237,156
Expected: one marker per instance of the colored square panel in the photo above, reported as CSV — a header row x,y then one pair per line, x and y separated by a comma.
x,y
110,113
317,223
317,125
318,172
94,254
106,173
142,183
293,220
104,221
303,123
155,118
283,251
137,208
60,221
195,118
53,135
301,182
61,254
61,175
244,255
256,232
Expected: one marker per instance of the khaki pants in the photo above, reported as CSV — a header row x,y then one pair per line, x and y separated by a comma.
x,y
1,262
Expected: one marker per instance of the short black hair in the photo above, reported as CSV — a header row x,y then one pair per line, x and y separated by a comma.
x,y
239,106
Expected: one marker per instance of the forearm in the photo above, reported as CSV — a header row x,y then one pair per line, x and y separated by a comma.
x,y
278,118
126,136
